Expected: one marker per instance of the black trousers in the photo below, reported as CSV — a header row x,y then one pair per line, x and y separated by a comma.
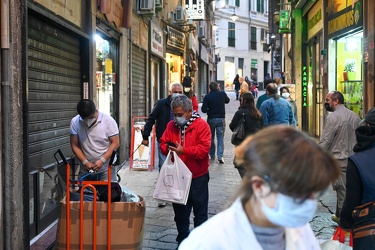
x,y
198,200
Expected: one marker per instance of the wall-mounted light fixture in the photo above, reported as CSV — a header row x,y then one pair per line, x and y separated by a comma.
x,y
233,17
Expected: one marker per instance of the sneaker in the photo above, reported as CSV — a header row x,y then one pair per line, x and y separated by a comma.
x,y
335,218
221,160
211,158
161,204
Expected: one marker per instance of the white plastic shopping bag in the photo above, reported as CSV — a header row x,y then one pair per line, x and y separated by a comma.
x,y
174,181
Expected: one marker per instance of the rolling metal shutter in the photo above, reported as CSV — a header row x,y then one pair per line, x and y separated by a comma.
x,y
54,89
138,103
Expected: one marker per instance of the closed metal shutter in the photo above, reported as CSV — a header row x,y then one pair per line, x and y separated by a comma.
x,y
138,103
54,89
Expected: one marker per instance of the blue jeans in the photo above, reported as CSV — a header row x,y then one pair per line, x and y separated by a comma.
x,y
217,125
160,155
198,201
237,93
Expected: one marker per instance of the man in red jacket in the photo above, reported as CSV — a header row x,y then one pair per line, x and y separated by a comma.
x,y
192,138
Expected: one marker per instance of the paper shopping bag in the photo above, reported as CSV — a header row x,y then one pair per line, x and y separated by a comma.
x,y
174,181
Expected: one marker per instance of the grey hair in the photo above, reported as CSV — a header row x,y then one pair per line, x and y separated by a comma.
x,y
182,101
176,85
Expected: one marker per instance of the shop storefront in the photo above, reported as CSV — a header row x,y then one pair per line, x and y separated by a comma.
x,y
203,63
175,50
312,96
107,73
138,68
345,53
56,79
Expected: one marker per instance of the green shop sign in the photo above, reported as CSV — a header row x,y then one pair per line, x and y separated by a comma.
x,y
342,20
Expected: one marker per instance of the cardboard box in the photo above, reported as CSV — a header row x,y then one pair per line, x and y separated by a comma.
x,y
127,225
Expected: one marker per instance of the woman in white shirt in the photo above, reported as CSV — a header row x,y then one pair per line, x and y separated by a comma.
x,y
286,172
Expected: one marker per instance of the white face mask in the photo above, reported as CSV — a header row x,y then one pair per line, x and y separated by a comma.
x,y
288,213
285,95
187,89
175,95
89,122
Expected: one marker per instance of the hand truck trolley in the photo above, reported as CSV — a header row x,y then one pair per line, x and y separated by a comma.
x,y
87,184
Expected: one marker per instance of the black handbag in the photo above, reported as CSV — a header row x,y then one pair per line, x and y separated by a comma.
x,y
239,132
364,226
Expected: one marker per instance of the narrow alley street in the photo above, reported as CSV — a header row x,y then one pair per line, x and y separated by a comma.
x,y
160,230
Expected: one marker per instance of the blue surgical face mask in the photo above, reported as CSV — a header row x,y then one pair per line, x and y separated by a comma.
x,y
181,121
287,213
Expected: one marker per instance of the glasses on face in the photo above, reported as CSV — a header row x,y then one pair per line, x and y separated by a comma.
x,y
297,200
177,92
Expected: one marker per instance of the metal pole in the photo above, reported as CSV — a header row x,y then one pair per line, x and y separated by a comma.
x,y
5,218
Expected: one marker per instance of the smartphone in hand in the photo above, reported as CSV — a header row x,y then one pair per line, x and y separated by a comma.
x,y
171,144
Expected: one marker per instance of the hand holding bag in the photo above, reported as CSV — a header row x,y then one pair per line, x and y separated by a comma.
x,y
174,181
239,132
337,242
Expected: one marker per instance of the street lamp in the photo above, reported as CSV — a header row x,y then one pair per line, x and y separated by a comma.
x,y
234,17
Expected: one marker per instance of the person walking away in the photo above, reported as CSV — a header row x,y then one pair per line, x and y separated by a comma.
x,y
93,138
237,86
276,110
263,97
273,207
284,92
214,105
338,138
192,137
188,91
253,121
160,115
360,172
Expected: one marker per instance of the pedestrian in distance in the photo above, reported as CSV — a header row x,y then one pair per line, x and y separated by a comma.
x,y
338,138
192,138
284,93
93,138
214,105
237,86
273,208
244,86
187,84
276,110
253,121
360,172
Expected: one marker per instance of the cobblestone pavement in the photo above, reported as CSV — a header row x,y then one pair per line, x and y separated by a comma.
x,y
160,230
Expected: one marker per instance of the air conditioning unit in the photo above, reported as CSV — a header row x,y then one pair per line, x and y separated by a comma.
x,y
180,14
159,4
201,32
146,7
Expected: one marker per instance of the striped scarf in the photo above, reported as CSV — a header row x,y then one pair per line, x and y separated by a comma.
x,y
184,127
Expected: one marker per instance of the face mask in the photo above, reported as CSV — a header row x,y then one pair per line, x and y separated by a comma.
x,y
89,122
175,95
285,95
181,121
328,107
287,213
187,89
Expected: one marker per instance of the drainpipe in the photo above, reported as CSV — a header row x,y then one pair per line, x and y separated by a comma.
x,y
5,226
